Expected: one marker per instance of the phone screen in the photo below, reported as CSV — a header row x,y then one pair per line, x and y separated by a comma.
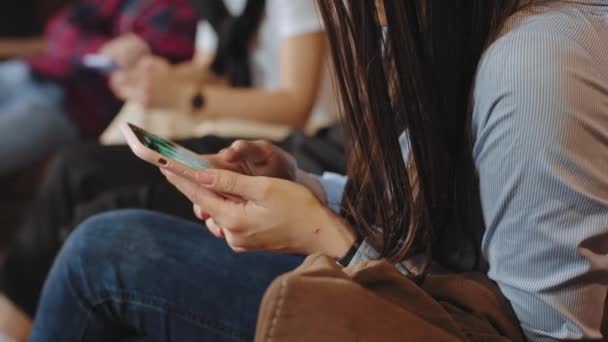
x,y
170,149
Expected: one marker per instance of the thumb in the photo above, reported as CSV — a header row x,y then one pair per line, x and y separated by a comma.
x,y
255,152
231,183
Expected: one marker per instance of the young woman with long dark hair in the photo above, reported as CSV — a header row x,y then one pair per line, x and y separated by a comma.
x,y
478,144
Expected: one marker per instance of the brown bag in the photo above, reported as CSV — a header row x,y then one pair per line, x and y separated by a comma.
x,y
320,302
605,320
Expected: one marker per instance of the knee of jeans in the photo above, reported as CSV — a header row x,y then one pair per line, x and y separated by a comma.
x,y
107,246
111,233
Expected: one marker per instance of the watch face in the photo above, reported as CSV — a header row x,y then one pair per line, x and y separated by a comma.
x,y
198,101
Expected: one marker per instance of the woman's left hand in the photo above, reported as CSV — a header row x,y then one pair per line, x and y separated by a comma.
x,y
272,215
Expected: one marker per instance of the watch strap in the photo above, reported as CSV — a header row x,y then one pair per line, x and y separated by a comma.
x,y
198,100
346,260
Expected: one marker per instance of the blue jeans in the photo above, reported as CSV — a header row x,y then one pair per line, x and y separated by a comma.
x,y
33,123
138,275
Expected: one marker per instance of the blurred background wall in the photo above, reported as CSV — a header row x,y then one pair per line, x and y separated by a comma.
x,y
26,18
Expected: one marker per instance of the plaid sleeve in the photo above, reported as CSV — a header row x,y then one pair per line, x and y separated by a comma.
x,y
169,27
80,29
333,185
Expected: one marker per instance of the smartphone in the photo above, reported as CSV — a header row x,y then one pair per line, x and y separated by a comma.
x,y
163,153
99,63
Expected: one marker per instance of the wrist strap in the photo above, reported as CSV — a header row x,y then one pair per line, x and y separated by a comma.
x,y
345,261
198,101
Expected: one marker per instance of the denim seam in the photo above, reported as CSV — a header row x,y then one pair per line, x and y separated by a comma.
x,y
278,309
87,310
160,305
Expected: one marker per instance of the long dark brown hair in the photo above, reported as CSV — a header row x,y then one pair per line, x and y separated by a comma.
x,y
415,75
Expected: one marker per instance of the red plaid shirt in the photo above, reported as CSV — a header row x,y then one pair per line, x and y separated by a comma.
x,y
168,26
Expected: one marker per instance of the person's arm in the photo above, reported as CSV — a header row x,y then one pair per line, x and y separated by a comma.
x,y
302,63
291,104
203,59
299,222
302,59
85,25
264,159
541,152
197,69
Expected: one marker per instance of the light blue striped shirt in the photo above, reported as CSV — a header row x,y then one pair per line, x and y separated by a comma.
x,y
541,148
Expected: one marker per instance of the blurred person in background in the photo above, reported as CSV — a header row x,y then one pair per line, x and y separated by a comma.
x,y
51,100
268,68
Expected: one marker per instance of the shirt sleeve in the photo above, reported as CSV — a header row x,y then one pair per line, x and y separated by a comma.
x,y
333,185
541,137
79,29
297,17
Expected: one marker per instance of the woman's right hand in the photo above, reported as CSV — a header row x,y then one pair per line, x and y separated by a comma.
x,y
264,213
260,158
263,159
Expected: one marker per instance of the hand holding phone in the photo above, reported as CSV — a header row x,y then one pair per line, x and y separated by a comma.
x,y
251,201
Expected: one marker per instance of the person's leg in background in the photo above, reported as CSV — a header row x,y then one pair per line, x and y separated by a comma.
x,y
32,125
139,274
13,79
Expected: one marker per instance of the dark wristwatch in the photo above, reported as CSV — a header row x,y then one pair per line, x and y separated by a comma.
x,y
345,260
198,101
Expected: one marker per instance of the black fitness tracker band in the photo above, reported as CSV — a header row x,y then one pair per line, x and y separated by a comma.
x,y
345,260
198,101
